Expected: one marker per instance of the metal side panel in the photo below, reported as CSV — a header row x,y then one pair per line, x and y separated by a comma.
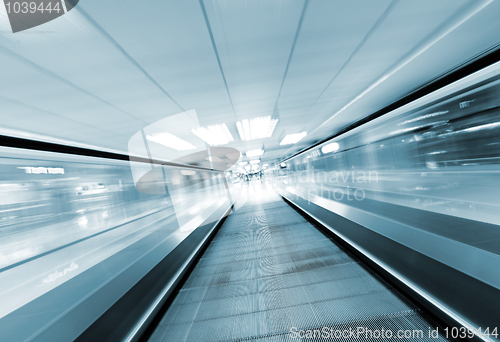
x,y
129,317
451,295
120,303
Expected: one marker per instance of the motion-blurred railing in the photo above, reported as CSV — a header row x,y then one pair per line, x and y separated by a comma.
x,y
416,192
77,238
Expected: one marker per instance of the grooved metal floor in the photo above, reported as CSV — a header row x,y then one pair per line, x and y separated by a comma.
x,y
268,270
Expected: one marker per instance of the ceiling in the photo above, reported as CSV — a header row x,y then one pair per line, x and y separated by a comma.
x,y
101,73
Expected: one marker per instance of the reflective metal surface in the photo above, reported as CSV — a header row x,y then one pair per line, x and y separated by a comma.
x,y
441,157
424,176
77,220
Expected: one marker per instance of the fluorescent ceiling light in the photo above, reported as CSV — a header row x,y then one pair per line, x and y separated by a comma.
x,y
171,141
254,161
256,128
214,135
293,138
254,153
242,163
333,147
266,165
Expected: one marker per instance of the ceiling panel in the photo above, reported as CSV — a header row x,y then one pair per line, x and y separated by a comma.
x,y
104,71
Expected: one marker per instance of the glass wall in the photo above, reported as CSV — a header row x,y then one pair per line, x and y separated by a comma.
x,y
63,217
442,157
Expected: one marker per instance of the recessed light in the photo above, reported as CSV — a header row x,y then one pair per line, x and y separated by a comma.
x,y
256,128
293,138
214,135
171,141
254,153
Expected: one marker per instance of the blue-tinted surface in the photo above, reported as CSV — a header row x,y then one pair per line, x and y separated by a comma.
x,y
60,216
441,157
426,176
